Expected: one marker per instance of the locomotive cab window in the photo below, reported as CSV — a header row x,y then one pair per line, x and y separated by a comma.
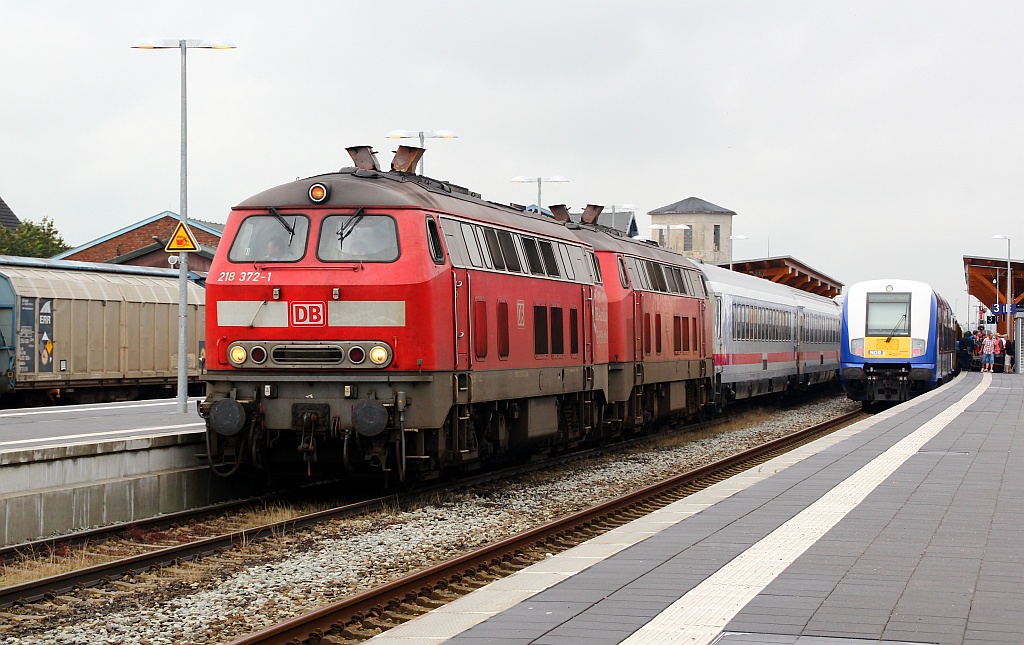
x,y
434,242
359,237
888,314
270,238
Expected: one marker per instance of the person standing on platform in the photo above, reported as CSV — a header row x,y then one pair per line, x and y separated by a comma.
x,y
988,353
1011,355
966,351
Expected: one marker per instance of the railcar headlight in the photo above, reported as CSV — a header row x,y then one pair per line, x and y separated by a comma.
x,y
319,193
378,355
237,355
857,346
917,347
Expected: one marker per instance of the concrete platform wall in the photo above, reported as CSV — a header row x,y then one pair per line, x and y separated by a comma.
x,y
53,490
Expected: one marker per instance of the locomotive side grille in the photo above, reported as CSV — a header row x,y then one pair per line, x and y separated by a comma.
x,y
307,355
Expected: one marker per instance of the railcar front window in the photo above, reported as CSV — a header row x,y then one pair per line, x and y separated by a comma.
x,y
360,237
270,238
888,314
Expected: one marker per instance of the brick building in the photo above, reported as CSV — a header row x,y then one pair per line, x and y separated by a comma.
x,y
142,244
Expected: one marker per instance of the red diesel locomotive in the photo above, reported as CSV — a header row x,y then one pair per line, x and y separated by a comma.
x,y
370,321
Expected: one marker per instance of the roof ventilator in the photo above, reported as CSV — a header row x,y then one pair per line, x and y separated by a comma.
x,y
561,212
591,213
363,157
406,158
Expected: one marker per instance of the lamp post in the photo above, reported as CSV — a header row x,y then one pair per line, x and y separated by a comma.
x,y
183,45
1009,282
731,238
423,135
520,179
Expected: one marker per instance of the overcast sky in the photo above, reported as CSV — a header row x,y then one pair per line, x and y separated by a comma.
x,y
867,139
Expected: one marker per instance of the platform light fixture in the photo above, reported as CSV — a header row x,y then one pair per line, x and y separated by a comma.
x,y
1009,282
423,135
522,179
734,237
183,45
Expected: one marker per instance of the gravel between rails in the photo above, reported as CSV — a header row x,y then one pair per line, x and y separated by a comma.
x,y
225,597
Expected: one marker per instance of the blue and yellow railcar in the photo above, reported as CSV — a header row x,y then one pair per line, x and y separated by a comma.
x,y
898,340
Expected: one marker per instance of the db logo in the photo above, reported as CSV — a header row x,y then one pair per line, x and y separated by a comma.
x,y
308,314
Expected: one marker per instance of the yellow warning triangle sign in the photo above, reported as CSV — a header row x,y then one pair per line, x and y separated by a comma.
x,y
182,241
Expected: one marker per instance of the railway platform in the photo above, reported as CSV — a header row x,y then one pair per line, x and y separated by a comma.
x,y
903,528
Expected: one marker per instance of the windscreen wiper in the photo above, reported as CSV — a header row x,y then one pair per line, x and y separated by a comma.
x,y
347,227
288,227
893,332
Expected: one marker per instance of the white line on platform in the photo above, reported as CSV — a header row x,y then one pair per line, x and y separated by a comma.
x,y
110,433
699,616
99,407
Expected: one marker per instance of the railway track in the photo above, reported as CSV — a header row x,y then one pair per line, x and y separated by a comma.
x,y
366,614
150,558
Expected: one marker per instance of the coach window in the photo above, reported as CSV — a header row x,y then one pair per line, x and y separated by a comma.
x,y
550,261
492,245
508,250
501,314
360,237
472,246
273,238
540,330
557,332
434,242
532,256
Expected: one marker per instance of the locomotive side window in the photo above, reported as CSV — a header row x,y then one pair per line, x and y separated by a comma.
x,y
597,268
533,256
508,249
273,238
540,330
434,242
472,245
484,252
494,248
453,239
557,332
550,262
480,329
358,238
647,333
657,333
574,331
501,314
677,334
622,274
563,250
888,314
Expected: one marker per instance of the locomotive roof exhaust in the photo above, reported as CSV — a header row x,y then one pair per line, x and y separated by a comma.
x,y
591,213
406,158
561,212
363,157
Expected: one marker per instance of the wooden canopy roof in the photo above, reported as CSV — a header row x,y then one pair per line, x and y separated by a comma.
x,y
789,271
986,281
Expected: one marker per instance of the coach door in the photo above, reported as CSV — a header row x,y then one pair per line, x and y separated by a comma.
x,y
798,342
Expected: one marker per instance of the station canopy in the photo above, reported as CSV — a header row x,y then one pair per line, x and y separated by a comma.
x,y
791,272
986,281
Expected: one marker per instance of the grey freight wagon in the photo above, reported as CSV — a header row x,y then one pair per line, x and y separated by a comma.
x,y
89,332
